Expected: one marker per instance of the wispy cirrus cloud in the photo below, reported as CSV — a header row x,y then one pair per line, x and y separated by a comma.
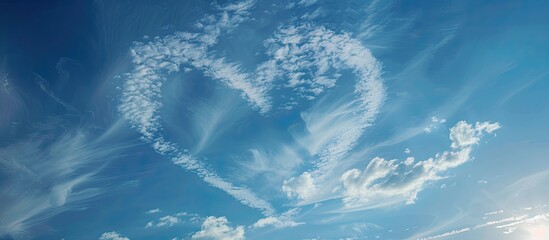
x,y
212,117
166,221
530,225
171,220
11,102
447,234
49,173
507,218
269,162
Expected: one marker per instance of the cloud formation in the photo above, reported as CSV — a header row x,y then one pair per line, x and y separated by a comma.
x,y
171,220
153,211
388,182
166,221
141,96
112,236
283,221
311,58
531,225
217,228
49,173
464,134
306,59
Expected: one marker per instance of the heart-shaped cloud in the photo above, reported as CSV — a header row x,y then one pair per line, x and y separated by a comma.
x,y
305,59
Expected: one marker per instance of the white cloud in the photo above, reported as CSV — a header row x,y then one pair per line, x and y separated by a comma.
x,y
435,123
11,102
306,3
447,234
356,181
304,58
174,219
312,15
273,162
166,221
275,222
47,174
409,161
493,213
171,220
212,117
464,134
112,236
44,85
407,151
532,226
301,187
282,221
153,211
217,228
153,60
310,57
388,182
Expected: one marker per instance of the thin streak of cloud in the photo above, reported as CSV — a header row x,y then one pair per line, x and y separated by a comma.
x,y
48,174
44,85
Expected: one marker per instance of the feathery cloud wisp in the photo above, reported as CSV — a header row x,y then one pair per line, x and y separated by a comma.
x,y
49,174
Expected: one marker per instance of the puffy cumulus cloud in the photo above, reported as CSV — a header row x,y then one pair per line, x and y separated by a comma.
x,y
388,182
282,221
217,228
409,161
301,187
464,134
112,236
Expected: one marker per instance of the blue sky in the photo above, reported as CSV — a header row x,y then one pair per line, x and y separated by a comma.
x,y
274,120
